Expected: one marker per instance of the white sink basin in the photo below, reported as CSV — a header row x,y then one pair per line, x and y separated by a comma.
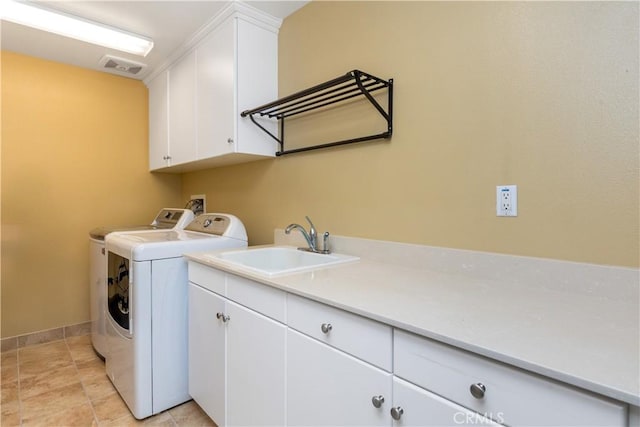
x,y
280,260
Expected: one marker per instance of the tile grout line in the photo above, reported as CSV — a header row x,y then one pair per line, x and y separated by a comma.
x,y
84,390
172,420
19,387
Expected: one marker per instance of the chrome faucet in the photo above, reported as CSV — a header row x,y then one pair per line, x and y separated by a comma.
x,y
311,237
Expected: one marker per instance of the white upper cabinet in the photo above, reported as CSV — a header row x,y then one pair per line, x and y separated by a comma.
x,y
195,106
182,111
159,121
216,78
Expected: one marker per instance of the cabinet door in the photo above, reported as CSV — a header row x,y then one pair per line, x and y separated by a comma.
x,y
207,355
328,387
255,369
422,408
216,79
159,121
182,110
257,84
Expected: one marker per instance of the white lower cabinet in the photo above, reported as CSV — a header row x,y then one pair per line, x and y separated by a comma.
x,y
506,394
259,357
207,355
255,369
415,406
326,387
236,361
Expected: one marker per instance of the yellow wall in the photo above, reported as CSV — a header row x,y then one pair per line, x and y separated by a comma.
x,y
74,157
539,94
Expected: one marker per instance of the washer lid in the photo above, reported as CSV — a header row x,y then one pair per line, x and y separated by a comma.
x,y
167,218
100,232
212,234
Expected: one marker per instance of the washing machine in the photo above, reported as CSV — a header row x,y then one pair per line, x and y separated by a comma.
x,y
146,356
167,218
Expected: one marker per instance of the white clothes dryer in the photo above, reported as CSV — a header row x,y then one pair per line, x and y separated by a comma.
x,y
146,357
166,219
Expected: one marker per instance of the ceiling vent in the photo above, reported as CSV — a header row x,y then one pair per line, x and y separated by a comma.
x,y
121,65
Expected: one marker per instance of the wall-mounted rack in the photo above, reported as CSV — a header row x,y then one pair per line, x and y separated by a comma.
x,y
351,85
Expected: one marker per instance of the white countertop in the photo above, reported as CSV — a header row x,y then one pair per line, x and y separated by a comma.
x,y
588,337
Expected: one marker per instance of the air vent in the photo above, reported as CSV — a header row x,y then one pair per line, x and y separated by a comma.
x,y
121,66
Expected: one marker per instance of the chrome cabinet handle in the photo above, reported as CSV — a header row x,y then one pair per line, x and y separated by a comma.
x,y
230,140
377,401
223,317
166,157
477,390
326,328
396,413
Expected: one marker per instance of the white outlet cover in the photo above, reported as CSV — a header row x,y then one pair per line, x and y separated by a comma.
x,y
507,200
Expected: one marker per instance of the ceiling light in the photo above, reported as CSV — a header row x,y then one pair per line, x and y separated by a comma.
x,y
74,27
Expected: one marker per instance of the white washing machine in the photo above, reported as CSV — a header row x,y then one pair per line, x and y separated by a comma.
x,y
146,357
167,218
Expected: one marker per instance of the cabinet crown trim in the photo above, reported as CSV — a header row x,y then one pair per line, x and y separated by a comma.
x,y
233,9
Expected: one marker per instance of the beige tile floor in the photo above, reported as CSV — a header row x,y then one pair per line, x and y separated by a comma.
x,y
63,383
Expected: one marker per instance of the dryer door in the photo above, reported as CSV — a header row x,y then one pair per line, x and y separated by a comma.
x,y
118,275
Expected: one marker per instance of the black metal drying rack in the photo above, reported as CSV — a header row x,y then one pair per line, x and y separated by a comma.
x,y
351,85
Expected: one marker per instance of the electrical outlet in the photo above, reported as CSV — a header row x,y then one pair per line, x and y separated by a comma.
x,y
507,200
198,204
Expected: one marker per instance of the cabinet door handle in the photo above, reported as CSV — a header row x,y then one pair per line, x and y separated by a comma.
x,y
326,328
166,157
230,140
477,390
377,401
224,318
396,413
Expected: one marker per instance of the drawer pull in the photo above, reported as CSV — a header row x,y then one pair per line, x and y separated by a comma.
x,y
478,390
377,401
396,413
326,328
223,317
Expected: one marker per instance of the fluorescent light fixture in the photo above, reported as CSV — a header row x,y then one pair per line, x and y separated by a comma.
x,y
72,26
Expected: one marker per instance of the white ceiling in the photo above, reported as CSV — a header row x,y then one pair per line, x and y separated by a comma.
x,y
169,23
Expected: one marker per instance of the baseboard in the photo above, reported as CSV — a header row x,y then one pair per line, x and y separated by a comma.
x,y
41,337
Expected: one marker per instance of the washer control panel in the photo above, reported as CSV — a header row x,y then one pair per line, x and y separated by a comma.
x,y
173,218
210,224
218,224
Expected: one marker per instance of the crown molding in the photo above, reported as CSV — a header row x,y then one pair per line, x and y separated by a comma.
x,y
240,9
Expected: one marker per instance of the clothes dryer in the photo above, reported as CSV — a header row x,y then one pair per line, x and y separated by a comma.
x,y
167,218
146,357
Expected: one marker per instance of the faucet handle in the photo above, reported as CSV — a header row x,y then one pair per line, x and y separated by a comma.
x,y
313,227
313,235
325,243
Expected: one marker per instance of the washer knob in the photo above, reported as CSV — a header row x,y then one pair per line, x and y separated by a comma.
x,y
477,390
